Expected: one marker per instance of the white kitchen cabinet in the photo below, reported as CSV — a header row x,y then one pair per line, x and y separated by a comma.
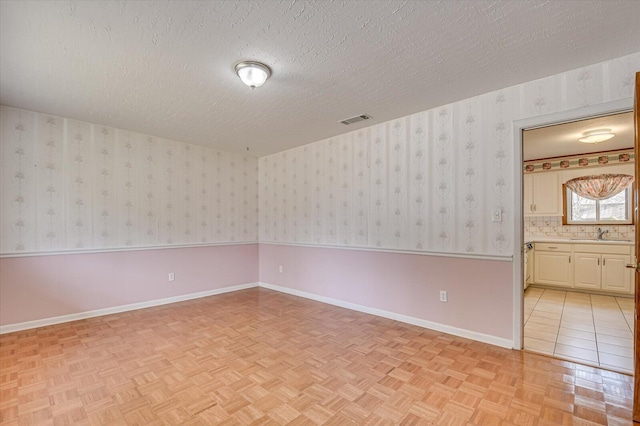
x,y
603,267
542,194
530,263
586,266
616,277
552,264
587,271
527,195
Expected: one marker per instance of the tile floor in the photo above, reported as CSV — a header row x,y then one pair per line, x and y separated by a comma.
x,y
587,328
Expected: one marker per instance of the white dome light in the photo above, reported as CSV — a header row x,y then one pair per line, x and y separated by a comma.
x,y
252,73
595,136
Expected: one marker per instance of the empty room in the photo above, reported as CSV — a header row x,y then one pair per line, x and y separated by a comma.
x,y
319,212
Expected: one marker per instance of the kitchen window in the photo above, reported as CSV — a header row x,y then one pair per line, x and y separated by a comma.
x,y
613,210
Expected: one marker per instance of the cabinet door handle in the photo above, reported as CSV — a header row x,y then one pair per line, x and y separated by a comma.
x,y
569,259
604,261
598,261
552,247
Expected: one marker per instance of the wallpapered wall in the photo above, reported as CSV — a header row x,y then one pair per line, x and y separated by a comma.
x,y
68,184
425,182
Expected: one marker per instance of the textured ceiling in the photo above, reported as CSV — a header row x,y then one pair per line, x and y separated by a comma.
x,y
562,139
166,68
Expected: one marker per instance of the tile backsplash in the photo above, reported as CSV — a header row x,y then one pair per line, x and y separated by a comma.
x,y
552,226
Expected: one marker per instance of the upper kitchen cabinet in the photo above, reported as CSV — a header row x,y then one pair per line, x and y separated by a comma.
x,y
552,155
543,194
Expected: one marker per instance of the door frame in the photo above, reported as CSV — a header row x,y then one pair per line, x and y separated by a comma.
x,y
606,108
636,283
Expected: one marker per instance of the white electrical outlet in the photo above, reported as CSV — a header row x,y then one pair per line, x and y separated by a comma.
x,y
497,215
443,296
172,276
280,268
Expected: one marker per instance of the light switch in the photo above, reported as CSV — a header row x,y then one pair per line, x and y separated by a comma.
x,y
497,215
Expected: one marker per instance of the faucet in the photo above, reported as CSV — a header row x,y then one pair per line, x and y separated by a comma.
x,y
601,233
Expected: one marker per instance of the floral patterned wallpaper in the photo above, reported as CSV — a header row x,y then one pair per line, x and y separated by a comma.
x,y
425,182
70,185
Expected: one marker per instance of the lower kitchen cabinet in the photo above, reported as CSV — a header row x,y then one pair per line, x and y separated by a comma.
x,y
599,266
616,276
587,274
530,262
552,264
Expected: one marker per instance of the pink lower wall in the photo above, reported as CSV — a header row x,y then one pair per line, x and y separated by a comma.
x,y
480,291
40,287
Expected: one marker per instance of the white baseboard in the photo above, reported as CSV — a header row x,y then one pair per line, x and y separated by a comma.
x,y
485,338
116,309
473,335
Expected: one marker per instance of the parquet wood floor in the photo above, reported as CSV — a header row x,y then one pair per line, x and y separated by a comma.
x,y
263,358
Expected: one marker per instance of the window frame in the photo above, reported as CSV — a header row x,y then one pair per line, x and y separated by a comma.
x,y
566,214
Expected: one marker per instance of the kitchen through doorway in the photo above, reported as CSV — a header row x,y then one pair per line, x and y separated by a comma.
x,y
579,238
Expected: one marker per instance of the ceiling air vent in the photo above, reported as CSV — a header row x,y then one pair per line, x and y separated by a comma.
x,y
355,119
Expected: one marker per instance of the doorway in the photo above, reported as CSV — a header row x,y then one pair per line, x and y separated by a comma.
x,y
549,225
578,292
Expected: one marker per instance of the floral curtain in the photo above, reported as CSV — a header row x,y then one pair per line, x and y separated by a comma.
x,y
599,187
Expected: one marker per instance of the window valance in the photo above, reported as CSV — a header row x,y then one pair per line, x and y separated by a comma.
x,y
599,187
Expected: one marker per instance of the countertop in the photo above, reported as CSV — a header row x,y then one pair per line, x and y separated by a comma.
x,y
577,240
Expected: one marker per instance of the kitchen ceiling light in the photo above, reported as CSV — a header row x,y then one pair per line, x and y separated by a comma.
x,y
252,73
595,136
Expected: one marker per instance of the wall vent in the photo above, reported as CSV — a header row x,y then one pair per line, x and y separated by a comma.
x,y
355,119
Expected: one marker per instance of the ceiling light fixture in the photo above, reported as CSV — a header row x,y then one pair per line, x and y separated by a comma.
x,y
252,73
595,136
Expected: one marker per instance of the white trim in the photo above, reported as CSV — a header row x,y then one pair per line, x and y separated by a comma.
x,y
122,308
468,334
115,249
481,337
502,258
518,236
606,108
577,114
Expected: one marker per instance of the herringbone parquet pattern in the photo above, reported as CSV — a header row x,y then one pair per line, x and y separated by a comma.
x,y
263,358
